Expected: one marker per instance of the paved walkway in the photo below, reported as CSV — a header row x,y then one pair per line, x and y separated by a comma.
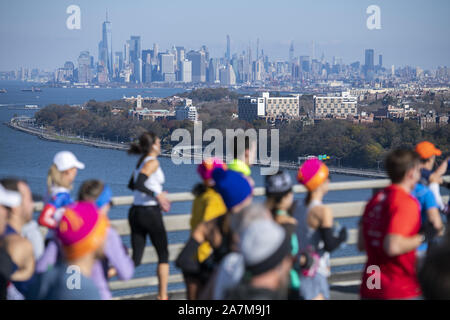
x,y
344,286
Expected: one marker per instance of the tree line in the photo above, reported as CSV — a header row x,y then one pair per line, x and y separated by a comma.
x,y
353,145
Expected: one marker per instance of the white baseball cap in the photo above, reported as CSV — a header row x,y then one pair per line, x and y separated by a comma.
x,y
8,198
66,160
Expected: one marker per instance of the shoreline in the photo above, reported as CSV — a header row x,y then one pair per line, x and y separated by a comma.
x,y
15,124
64,139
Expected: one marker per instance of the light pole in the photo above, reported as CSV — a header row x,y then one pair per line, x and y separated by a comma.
x,y
378,163
339,161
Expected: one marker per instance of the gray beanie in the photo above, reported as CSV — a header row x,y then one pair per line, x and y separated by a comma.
x,y
264,245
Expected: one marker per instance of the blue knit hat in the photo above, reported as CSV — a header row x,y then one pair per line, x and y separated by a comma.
x,y
232,186
105,197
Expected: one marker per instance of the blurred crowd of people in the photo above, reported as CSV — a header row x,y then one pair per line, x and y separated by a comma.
x,y
238,248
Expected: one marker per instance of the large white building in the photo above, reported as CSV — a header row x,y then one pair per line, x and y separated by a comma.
x,y
186,112
168,67
335,106
251,108
186,71
227,76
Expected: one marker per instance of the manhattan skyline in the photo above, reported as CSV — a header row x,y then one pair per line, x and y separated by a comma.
x,y
34,34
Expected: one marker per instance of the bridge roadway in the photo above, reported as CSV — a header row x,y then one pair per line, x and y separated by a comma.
x,y
287,165
343,286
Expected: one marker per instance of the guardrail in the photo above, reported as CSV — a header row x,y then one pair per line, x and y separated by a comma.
x,y
181,223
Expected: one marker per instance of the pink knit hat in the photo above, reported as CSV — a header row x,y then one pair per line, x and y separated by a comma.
x,y
206,168
81,230
312,174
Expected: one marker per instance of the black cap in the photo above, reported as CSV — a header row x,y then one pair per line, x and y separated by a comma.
x,y
278,183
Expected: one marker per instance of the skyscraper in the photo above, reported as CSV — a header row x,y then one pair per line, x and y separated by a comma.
x,y
291,52
167,63
84,67
213,71
227,76
155,51
369,63
126,51
198,65
369,59
186,71
135,57
380,60
146,66
228,48
105,54
304,62
257,49
135,47
257,70
118,63
181,54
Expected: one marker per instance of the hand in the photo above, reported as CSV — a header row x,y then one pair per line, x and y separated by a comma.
x,y
436,176
428,231
163,201
112,272
306,260
199,233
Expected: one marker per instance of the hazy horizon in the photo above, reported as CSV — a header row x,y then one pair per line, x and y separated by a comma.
x,y
33,34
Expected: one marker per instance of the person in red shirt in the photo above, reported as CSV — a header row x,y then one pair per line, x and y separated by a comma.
x,y
389,233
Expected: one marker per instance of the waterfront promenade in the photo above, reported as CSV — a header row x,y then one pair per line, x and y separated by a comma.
x,y
25,124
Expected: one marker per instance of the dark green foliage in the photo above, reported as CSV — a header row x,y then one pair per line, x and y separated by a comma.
x,y
209,94
361,146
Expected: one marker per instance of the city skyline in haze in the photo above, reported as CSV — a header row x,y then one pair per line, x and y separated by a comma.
x,y
34,34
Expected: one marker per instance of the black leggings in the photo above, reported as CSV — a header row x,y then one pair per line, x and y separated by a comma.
x,y
143,221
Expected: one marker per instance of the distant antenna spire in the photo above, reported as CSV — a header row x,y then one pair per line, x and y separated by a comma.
x,y
257,49
106,14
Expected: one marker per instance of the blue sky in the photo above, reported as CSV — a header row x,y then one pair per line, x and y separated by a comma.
x,y
33,33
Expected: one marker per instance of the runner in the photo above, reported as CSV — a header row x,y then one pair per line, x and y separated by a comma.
x,y
145,216
243,158
388,232
434,276
207,205
60,178
431,221
427,190
315,230
82,232
236,193
116,260
231,270
8,200
280,202
265,247
18,247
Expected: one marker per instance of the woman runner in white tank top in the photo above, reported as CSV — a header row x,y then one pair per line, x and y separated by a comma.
x,y
145,216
